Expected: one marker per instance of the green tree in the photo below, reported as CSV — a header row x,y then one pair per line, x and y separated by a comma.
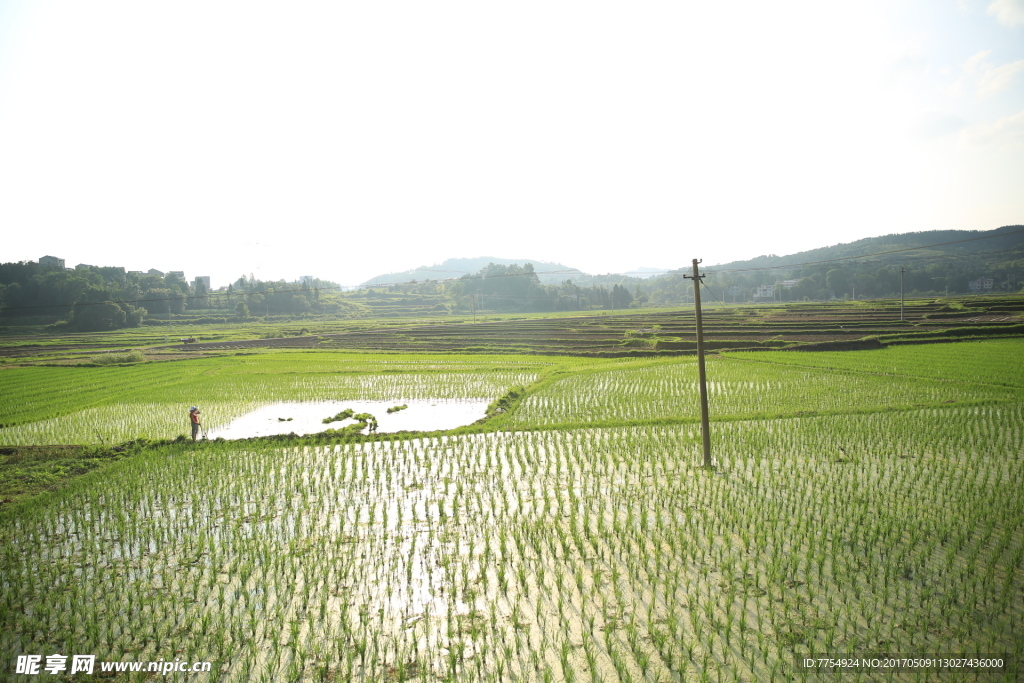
x,y
173,281
837,281
98,317
200,296
805,288
97,310
639,295
160,300
620,298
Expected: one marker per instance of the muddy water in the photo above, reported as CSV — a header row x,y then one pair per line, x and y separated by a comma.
x,y
307,417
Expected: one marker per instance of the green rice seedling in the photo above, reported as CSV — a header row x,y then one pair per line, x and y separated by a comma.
x,y
607,533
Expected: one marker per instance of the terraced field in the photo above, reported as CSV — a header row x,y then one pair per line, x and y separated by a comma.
x,y
725,327
637,333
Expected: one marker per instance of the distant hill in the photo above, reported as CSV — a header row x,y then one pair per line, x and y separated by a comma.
x,y
925,263
1002,240
455,268
935,261
996,247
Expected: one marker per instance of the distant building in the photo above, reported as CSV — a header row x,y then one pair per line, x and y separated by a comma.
x,y
306,279
179,273
765,292
982,284
51,262
790,284
154,271
83,266
205,279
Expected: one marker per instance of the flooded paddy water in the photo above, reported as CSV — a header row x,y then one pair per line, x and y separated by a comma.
x,y
241,419
307,417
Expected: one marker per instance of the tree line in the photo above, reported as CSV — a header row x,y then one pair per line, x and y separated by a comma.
x,y
92,298
517,288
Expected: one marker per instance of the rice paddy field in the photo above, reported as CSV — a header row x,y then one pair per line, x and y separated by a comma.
x,y
863,504
109,405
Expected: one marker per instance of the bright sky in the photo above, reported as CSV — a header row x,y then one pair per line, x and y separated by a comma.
x,y
348,139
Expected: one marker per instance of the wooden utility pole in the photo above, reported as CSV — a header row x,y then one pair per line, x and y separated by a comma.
x,y
705,428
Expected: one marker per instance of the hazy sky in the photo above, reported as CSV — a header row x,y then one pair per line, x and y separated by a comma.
x,y
347,139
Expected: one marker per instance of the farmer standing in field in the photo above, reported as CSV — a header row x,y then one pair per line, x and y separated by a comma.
x,y
193,415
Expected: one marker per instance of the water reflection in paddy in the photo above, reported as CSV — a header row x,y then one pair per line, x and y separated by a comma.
x,y
307,417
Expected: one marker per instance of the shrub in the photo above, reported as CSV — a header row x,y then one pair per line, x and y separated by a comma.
x,y
134,356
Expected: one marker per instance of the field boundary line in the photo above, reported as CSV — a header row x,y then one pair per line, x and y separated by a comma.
x,y
670,421
868,372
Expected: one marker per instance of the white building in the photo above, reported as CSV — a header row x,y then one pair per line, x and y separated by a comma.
x,y
982,284
205,279
764,292
51,262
